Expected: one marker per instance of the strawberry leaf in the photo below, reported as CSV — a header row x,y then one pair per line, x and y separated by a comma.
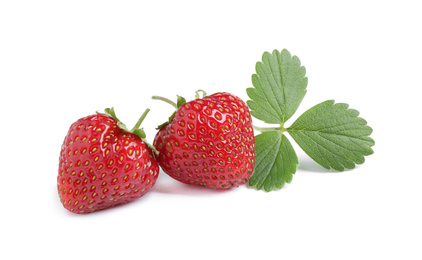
x,y
279,87
333,135
275,161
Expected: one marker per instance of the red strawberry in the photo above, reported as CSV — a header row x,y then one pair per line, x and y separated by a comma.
x,y
208,142
102,164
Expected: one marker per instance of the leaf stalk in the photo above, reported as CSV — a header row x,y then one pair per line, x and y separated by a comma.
x,y
269,129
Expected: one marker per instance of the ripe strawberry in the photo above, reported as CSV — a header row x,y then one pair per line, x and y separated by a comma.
x,y
208,142
102,164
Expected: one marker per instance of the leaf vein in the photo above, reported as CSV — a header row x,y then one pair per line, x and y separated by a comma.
x,y
272,93
272,163
360,138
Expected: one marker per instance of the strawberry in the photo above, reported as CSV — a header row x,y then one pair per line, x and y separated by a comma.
x,y
102,164
208,141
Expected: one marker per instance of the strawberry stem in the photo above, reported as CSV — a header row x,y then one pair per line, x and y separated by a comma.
x,y
168,101
140,120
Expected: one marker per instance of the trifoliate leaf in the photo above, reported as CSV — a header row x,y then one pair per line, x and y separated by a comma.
x,y
333,135
275,161
279,87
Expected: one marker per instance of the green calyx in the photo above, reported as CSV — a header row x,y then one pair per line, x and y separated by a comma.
x,y
180,102
204,94
135,130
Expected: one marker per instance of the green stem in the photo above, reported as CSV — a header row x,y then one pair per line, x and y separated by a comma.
x,y
269,129
168,101
141,119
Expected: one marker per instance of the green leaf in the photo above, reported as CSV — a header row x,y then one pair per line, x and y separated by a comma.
x,y
279,87
275,161
333,135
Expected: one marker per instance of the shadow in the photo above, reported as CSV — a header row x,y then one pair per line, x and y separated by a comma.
x,y
309,165
167,185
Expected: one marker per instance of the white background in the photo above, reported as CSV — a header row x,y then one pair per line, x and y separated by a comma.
x,y
62,60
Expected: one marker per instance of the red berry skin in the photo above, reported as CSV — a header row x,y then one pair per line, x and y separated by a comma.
x,y
102,166
209,142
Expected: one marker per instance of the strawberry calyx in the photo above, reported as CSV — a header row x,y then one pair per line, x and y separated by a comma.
x,y
204,94
136,130
180,102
